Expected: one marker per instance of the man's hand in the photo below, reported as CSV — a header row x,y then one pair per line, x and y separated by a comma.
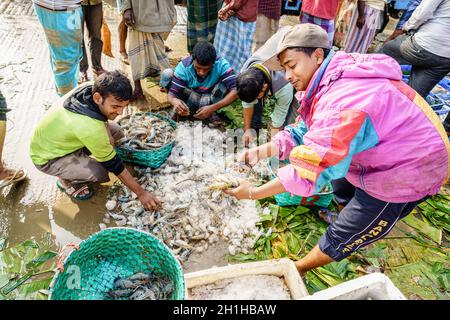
x,y
128,17
361,21
180,107
395,34
244,191
204,112
250,156
248,137
149,201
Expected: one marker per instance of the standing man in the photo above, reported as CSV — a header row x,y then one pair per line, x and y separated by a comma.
x,y
202,21
75,141
256,82
147,21
7,176
368,132
236,30
425,46
62,22
366,20
321,13
267,22
92,19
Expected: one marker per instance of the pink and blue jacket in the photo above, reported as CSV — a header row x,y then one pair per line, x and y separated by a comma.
x,y
363,123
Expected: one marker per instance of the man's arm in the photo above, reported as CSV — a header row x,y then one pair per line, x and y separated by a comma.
x,y
148,200
227,100
206,111
407,13
422,14
283,100
178,105
361,17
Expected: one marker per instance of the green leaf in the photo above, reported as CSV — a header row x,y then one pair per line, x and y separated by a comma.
x,y
13,284
46,256
301,210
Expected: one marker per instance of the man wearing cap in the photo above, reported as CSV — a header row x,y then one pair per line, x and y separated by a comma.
x,y
256,82
375,156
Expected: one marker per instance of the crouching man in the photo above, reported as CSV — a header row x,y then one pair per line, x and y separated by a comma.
x,y
256,83
75,142
201,84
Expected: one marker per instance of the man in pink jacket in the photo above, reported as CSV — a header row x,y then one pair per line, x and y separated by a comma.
x,y
375,138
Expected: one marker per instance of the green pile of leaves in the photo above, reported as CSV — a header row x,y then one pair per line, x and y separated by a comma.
x,y
291,232
436,211
26,269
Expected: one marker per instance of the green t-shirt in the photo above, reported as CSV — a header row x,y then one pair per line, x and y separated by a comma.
x,y
62,132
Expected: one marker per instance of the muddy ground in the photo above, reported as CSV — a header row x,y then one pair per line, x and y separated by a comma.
x,y
36,207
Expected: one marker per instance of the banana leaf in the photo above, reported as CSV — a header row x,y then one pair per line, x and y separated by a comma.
x,y
424,228
22,269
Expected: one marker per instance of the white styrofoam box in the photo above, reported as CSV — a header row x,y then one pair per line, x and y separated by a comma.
x,y
278,267
375,286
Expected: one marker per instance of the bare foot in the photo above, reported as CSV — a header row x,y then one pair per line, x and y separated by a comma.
x,y
83,77
137,95
124,58
99,72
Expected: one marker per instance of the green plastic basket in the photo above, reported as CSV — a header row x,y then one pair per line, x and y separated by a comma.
x,y
149,158
115,252
322,199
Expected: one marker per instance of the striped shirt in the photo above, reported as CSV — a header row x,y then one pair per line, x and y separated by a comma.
x,y
186,77
58,4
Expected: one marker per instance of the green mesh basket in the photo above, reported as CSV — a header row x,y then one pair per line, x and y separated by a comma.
x,y
149,158
115,252
322,199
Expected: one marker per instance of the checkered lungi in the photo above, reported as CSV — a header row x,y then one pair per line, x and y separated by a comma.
x,y
195,100
327,25
202,21
146,53
234,41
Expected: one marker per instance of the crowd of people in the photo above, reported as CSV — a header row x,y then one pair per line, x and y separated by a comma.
x,y
340,116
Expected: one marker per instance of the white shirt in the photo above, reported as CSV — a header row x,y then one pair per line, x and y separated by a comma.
x,y
431,19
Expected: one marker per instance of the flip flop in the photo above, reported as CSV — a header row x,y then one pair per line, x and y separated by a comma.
x,y
328,216
14,178
74,193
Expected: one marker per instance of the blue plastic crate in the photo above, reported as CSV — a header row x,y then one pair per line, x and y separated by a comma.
x,y
445,83
406,68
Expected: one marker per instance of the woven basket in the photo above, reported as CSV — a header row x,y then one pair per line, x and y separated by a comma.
x,y
112,253
322,199
153,158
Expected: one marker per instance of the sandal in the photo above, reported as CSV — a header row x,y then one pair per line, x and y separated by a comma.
x,y
16,176
74,193
328,216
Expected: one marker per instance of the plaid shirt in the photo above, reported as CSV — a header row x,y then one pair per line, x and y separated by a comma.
x,y
270,8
